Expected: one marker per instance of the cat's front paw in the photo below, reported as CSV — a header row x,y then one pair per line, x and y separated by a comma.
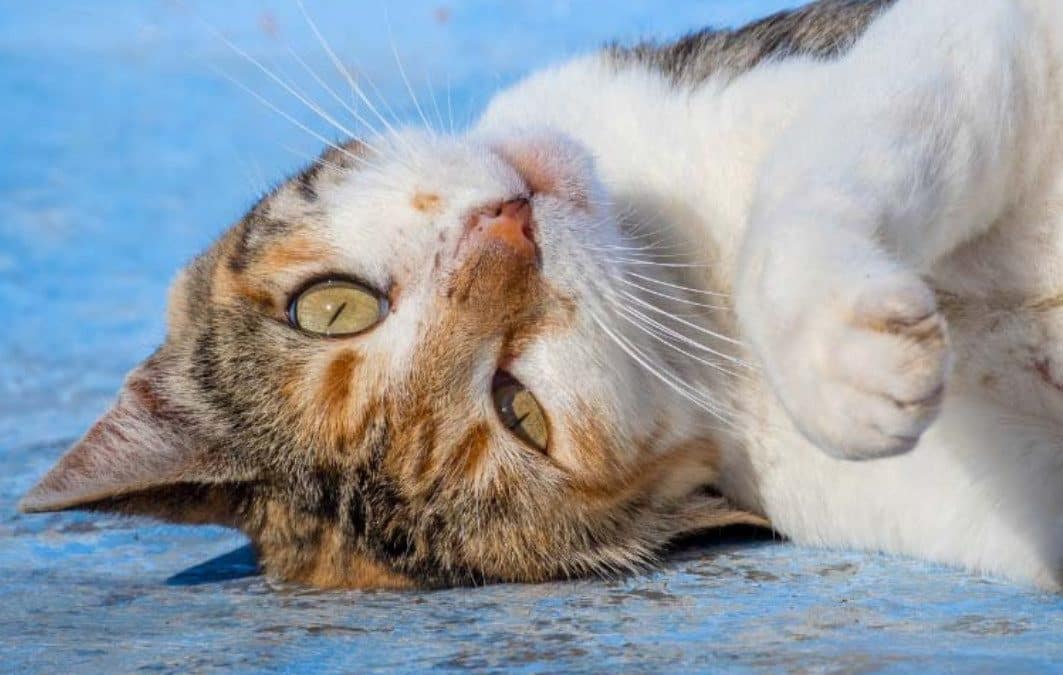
x,y
863,375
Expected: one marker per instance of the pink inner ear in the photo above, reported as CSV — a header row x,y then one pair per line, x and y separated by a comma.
x,y
132,447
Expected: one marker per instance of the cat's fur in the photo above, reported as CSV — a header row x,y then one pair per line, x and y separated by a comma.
x,y
873,194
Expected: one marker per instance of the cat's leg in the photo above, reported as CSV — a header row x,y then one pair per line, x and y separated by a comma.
x,y
924,142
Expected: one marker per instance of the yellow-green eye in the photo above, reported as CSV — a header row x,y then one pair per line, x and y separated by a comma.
x,y
337,307
519,411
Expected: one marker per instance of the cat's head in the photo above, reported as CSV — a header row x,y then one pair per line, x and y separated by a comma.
x,y
401,369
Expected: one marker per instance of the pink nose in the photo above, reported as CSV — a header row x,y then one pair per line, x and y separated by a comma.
x,y
511,226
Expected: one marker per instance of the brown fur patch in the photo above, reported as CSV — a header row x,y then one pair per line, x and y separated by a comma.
x,y
420,444
473,449
426,202
365,573
611,482
371,411
1046,304
557,313
929,329
333,427
258,297
336,383
232,285
334,566
592,438
290,380
249,281
293,252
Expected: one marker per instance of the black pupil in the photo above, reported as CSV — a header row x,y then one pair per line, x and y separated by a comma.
x,y
505,389
509,416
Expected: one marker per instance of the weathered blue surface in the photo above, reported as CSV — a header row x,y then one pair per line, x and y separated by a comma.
x,y
121,154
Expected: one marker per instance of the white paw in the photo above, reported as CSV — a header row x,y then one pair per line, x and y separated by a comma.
x,y
863,374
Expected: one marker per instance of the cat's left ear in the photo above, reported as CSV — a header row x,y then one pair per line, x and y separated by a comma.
x,y
140,459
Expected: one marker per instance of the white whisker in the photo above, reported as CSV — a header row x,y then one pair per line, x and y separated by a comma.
x,y
656,332
678,286
405,79
313,107
651,257
666,296
680,387
660,327
686,323
609,248
375,91
355,88
339,99
435,103
261,99
635,261
450,107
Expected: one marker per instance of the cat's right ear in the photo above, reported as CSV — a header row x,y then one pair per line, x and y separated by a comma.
x,y
141,459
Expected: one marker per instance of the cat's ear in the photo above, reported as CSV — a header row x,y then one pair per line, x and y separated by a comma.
x,y
708,510
140,459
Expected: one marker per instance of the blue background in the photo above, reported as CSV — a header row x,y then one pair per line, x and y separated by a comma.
x,y
124,150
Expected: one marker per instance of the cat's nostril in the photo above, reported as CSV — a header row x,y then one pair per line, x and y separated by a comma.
x,y
516,208
511,226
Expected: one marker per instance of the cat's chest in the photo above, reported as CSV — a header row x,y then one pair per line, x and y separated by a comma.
x,y
673,159
1003,295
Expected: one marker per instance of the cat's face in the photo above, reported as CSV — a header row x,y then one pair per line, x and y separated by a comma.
x,y
399,369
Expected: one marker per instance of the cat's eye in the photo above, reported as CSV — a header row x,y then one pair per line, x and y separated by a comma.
x,y
519,411
336,307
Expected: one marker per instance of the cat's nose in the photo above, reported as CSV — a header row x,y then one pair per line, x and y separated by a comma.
x,y
510,225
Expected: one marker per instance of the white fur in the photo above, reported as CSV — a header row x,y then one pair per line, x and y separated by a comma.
x,y
829,198
379,237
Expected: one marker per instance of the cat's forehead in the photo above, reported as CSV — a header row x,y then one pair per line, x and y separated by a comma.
x,y
379,202
417,175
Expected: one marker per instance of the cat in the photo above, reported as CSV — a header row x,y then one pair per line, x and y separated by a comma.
x,y
805,273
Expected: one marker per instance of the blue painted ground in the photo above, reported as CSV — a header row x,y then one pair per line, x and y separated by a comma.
x,y
122,153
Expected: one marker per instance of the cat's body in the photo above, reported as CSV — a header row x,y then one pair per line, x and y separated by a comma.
x,y
816,168
984,486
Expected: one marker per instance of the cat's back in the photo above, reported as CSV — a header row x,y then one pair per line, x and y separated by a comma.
x,y
623,84
821,30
